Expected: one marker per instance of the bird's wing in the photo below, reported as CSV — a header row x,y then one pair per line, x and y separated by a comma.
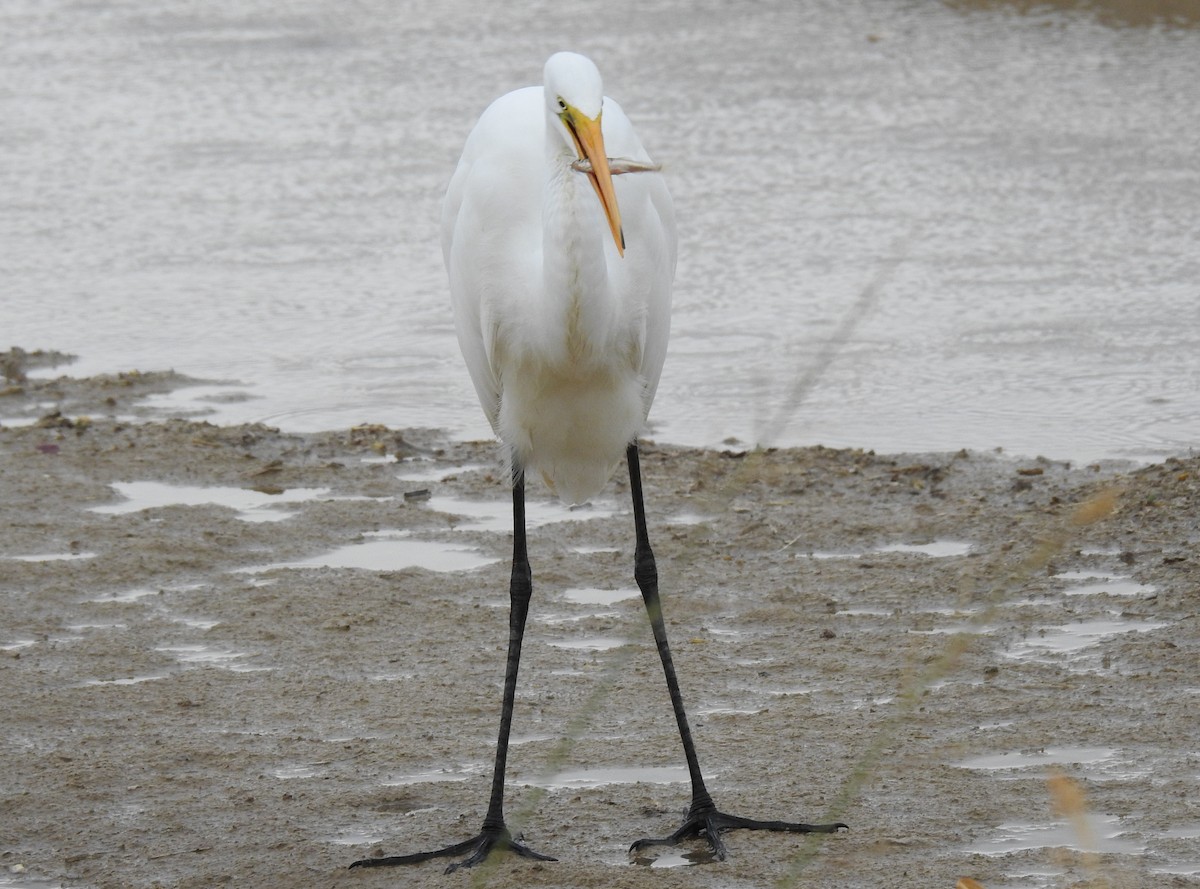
x,y
651,243
658,297
491,229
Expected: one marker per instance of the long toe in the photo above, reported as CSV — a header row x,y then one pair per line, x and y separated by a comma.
x,y
737,822
476,849
713,823
489,844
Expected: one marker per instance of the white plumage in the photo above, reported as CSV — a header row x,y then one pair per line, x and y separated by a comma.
x,y
564,336
561,283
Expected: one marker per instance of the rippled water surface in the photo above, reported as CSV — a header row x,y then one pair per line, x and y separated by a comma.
x,y
903,226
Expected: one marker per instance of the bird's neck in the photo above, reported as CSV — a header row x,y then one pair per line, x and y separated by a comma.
x,y
580,308
573,233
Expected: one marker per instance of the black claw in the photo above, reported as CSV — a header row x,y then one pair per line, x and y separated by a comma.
x,y
479,848
712,824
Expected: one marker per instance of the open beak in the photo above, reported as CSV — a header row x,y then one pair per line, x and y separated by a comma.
x,y
589,142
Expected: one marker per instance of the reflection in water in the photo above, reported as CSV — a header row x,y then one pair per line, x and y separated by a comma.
x,y
671,856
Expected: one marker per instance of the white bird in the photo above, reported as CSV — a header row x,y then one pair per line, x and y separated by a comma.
x,y
560,278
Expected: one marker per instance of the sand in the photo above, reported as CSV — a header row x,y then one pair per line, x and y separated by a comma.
x,y
985,666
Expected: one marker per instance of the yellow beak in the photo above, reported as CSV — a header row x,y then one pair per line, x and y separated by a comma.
x,y
589,142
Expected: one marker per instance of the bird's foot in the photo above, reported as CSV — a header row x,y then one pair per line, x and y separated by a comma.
x,y
707,820
491,839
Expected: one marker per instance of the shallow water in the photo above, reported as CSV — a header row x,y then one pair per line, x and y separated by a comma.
x,y
903,226
1103,834
599,777
391,551
1063,756
591,596
251,505
937,549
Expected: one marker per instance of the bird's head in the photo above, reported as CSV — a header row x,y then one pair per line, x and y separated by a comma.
x,y
574,100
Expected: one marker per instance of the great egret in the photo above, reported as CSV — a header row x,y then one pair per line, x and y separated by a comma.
x,y
561,285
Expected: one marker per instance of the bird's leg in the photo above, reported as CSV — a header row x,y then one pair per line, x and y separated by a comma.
x,y
702,817
494,835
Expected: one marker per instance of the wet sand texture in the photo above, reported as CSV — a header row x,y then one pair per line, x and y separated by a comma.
x,y
985,666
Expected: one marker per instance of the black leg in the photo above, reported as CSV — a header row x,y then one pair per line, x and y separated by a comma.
x,y
702,816
494,835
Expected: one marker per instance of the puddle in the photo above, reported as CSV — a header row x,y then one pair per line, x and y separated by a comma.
x,y
728,633
126,596
128,680
789,692
589,643
78,628
1050,756
390,551
1099,762
34,412
686,518
15,876
957,629
588,596
558,619
1183,868
206,656
727,711
460,774
142,592
1075,637
311,770
1187,867
496,515
1105,585
529,738
672,856
938,549
17,645
435,472
577,779
391,677
251,505
52,557
354,836
196,623
1100,833
196,401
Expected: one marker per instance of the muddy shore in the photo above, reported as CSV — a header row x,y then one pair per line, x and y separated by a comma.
x,y
232,655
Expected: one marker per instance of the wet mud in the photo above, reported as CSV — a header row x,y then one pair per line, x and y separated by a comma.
x,y
232,655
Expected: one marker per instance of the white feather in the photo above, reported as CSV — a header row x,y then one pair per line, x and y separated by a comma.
x,y
564,338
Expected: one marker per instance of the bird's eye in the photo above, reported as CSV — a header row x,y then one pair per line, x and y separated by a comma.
x,y
562,105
